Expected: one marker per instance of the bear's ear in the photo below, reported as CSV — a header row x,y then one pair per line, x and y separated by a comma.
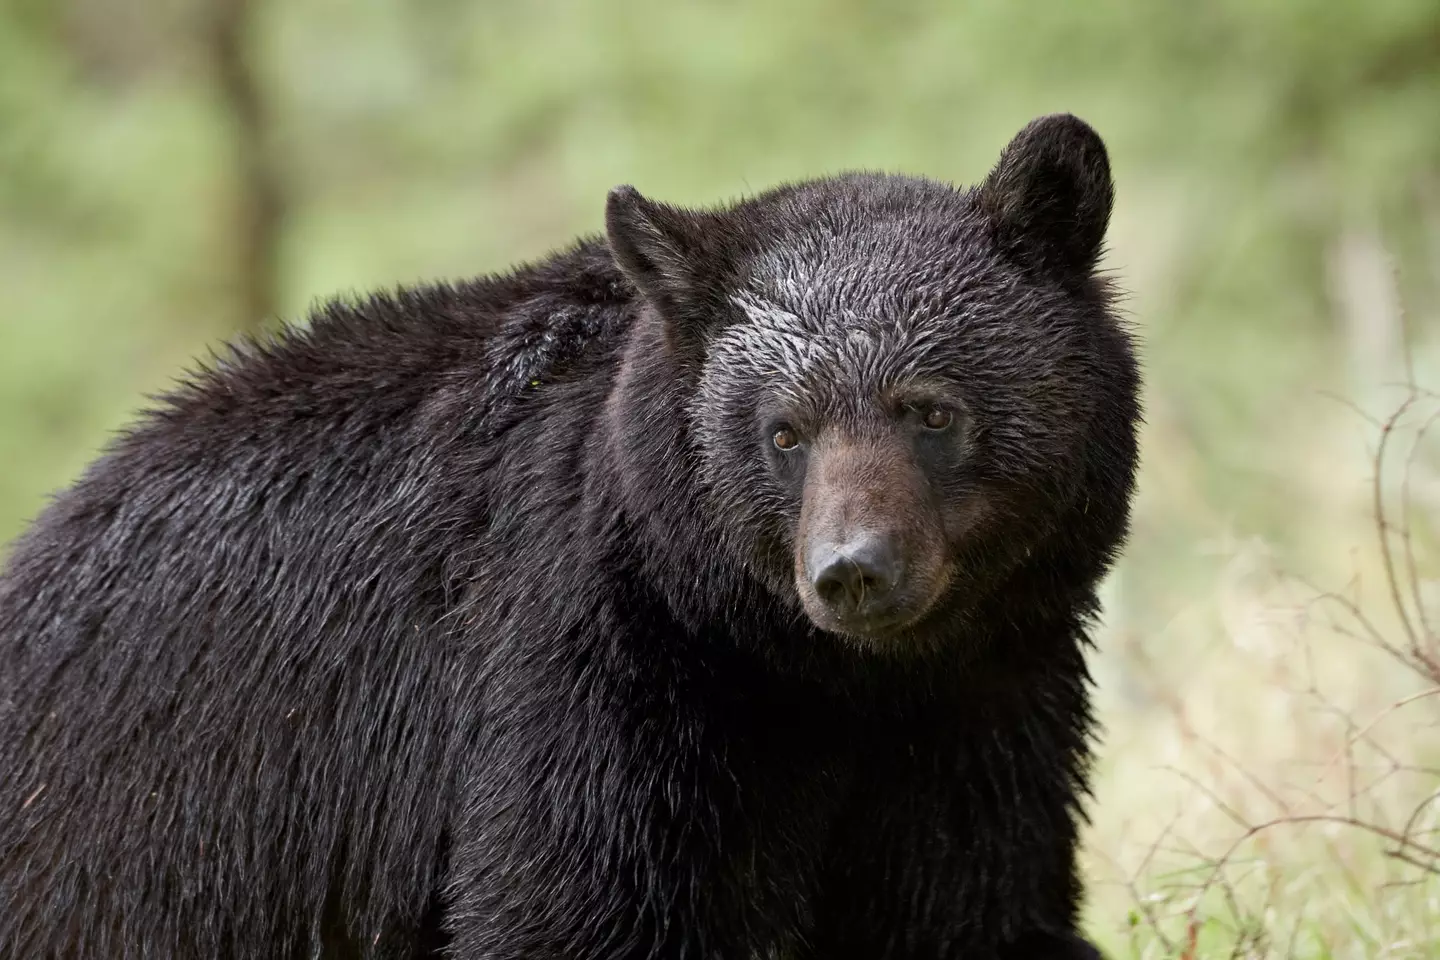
x,y
657,246
675,257
1049,197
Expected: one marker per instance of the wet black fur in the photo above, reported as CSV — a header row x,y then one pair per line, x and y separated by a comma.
x,y
416,632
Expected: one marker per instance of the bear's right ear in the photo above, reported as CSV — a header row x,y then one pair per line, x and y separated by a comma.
x,y
671,255
646,241
1049,197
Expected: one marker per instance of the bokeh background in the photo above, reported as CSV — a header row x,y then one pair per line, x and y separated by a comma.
x,y
175,172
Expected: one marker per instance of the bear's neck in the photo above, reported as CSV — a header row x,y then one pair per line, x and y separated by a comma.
x,y
643,480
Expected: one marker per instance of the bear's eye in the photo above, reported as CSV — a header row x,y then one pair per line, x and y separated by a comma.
x,y
938,418
785,438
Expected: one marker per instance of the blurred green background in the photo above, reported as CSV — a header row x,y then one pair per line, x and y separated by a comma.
x,y
175,171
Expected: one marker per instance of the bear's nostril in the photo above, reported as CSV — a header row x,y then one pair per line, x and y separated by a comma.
x,y
855,574
830,587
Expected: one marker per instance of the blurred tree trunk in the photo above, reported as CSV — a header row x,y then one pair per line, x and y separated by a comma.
x,y
257,202
1367,298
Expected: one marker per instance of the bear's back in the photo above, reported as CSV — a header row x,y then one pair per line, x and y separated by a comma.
x,y
237,608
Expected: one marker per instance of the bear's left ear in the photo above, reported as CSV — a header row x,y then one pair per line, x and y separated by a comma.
x,y
673,257
1049,197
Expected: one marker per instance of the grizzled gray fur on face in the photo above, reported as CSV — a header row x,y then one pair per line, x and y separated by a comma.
x,y
838,311
718,588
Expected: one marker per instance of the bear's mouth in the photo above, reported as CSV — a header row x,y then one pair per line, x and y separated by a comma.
x,y
871,623
868,628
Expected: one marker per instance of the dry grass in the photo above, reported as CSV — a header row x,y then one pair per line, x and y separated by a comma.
x,y
1274,788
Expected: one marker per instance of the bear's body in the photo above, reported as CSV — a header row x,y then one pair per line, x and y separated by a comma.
x,y
458,624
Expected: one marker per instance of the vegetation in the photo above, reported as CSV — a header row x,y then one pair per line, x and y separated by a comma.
x,y
173,171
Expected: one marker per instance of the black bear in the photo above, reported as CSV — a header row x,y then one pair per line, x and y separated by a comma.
x,y
716,589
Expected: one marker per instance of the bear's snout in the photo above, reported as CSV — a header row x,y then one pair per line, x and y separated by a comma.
x,y
858,577
869,557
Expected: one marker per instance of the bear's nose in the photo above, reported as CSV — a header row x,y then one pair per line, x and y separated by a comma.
x,y
855,575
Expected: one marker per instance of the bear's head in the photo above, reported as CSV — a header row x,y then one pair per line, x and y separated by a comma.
x,y
901,398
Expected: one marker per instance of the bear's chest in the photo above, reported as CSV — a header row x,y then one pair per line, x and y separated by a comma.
x,y
876,828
